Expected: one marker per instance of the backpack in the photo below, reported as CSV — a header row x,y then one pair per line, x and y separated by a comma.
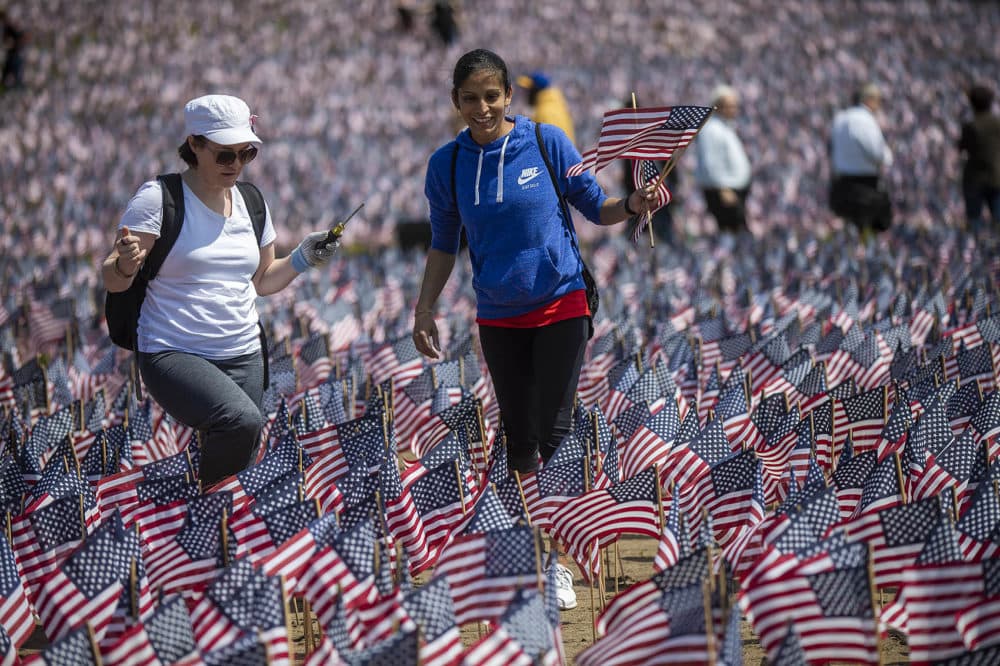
x,y
121,309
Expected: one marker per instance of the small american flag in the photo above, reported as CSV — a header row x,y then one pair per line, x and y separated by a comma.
x,y
650,133
644,173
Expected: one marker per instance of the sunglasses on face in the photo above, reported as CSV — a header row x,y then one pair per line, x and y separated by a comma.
x,y
226,156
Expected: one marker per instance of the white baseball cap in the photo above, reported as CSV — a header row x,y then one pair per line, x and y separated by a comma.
x,y
224,119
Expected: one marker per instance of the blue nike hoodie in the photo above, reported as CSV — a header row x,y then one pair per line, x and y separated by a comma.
x,y
522,254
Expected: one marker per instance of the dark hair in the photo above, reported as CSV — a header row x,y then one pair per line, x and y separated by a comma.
x,y
981,98
185,152
476,61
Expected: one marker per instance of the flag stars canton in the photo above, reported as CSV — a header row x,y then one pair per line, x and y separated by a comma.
x,y
842,593
711,445
869,405
641,487
357,549
991,577
431,608
73,648
436,489
510,553
562,480
686,608
734,473
9,577
988,417
526,622
980,521
203,541
97,564
909,523
490,515
854,472
686,117
691,570
169,631
632,419
287,522
57,523
942,545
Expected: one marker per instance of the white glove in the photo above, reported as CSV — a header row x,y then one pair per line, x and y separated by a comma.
x,y
311,253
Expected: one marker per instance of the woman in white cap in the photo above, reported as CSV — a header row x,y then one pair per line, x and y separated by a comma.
x,y
197,339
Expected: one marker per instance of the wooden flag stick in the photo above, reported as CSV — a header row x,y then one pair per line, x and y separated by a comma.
x,y
899,476
593,608
308,627
524,501
619,566
484,444
706,595
602,591
133,587
659,499
225,539
648,214
538,560
871,591
461,489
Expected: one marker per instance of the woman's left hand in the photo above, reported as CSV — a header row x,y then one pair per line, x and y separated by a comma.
x,y
641,199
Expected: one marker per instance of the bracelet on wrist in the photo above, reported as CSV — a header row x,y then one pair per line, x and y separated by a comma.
x,y
627,209
417,313
120,272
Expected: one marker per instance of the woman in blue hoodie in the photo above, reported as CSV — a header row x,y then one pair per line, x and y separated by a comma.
x,y
532,310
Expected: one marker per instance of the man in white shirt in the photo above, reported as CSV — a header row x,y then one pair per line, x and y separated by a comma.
x,y
858,154
723,170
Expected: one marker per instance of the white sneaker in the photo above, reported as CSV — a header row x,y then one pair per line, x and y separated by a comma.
x,y
565,594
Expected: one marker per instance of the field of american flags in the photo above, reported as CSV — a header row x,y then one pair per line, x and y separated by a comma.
x,y
765,427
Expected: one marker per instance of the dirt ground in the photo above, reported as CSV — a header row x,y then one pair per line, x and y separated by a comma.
x,y
637,563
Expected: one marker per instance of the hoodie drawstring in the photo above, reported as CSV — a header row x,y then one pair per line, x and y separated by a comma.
x,y
479,171
503,151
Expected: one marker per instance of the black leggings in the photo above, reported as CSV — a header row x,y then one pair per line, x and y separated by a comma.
x,y
535,372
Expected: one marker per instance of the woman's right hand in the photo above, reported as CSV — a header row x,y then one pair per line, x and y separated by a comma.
x,y
130,252
425,334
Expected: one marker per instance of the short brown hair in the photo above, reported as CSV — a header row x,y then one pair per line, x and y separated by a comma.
x,y
185,152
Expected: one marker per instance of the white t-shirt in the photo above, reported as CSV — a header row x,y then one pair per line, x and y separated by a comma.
x,y
203,299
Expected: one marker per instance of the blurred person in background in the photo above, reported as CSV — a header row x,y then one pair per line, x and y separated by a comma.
x,y
980,145
859,155
198,343
547,102
443,21
723,170
14,40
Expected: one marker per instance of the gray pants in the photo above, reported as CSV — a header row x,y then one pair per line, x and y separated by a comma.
x,y
220,399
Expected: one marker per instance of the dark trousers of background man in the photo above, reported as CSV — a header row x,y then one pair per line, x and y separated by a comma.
x,y
862,201
729,218
978,198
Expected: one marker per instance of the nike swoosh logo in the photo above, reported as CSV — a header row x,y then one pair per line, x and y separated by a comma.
x,y
521,180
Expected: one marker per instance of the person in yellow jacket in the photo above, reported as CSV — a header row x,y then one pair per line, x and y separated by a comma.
x,y
548,102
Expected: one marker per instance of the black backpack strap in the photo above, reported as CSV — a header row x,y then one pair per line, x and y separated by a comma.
x,y
454,192
255,206
170,224
254,201
567,217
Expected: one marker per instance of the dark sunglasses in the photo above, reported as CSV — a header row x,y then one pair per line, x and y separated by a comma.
x,y
226,156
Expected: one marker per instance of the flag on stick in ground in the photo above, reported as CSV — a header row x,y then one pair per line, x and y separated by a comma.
x,y
603,516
